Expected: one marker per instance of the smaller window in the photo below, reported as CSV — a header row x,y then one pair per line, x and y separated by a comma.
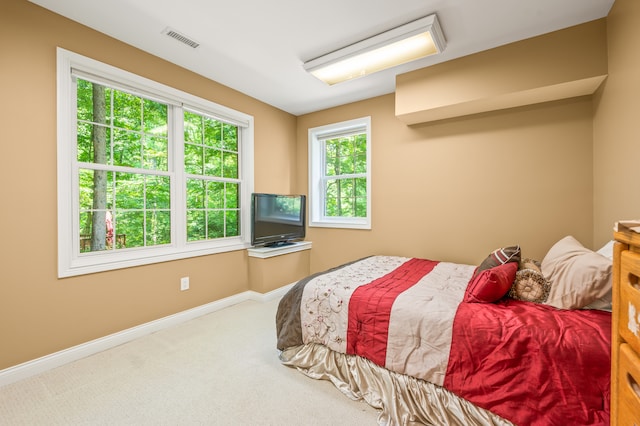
x,y
340,175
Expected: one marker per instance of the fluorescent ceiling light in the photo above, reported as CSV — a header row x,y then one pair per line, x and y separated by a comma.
x,y
400,45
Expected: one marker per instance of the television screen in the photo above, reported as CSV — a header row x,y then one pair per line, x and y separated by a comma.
x,y
277,219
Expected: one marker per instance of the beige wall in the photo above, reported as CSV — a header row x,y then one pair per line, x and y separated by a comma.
x,y
617,124
455,190
40,314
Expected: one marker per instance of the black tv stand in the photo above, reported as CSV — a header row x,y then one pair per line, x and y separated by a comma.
x,y
279,244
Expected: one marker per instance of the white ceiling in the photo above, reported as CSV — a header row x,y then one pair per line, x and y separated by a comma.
x,y
258,47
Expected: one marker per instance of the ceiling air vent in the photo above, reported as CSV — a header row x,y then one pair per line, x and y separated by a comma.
x,y
180,37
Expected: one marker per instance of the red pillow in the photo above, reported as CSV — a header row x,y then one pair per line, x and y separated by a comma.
x,y
491,284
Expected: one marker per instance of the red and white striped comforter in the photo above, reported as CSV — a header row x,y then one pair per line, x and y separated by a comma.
x,y
528,363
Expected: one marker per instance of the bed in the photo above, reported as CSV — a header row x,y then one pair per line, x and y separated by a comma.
x,y
509,341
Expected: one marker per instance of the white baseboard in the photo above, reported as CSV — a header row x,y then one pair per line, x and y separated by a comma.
x,y
65,356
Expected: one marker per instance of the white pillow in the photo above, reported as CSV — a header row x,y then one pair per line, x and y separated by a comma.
x,y
578,275
604,303
607,250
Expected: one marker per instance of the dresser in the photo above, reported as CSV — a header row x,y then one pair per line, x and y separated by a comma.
x,y
625,338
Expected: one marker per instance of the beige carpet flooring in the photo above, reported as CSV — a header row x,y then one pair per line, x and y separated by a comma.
x,y
219,369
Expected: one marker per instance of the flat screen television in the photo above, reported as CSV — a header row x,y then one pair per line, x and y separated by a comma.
x,y
277,219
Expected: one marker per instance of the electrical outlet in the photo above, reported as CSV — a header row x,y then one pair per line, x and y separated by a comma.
x,y
184,283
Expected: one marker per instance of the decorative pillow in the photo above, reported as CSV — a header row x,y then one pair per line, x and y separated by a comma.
x,y
499,257
578,276
492,284
530,285
527,263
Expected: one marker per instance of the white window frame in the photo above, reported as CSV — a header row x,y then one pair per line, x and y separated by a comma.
x,y
70,261
317,136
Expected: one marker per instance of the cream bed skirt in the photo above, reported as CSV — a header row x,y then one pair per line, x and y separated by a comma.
x,y
404,400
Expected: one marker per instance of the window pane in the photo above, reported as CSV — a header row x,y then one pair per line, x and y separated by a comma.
x,y
232,196
127,148
158,192
361,207
212,209
230,137
230,165
346,155
331,148
192,127
195,193
156,149
331,207
95,193
193,159
90,96
360,163
232,223
196,225
346,165
346,188
346,207
361,143
131,224
212,151
85,232
91,137
127,111
331,158
155,118
215,195
85,179
215,226
332,189
84,100
212,133
129,191
345,146
158,225
136,195
85,144
213,162
361,187
111,118
96,231
346,197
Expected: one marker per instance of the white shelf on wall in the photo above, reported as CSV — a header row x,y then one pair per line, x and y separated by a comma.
x,y
266,252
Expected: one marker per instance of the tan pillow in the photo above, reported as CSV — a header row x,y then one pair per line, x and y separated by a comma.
x,y
530,285
578,276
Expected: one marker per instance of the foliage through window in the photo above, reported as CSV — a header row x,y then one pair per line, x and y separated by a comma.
x,y
339,161
124,185
211,163
146,173
345,179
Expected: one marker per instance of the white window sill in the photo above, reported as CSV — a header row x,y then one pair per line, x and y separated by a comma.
x,y
267,252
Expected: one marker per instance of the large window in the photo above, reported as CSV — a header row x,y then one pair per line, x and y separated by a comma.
x,y
146,173
340,179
